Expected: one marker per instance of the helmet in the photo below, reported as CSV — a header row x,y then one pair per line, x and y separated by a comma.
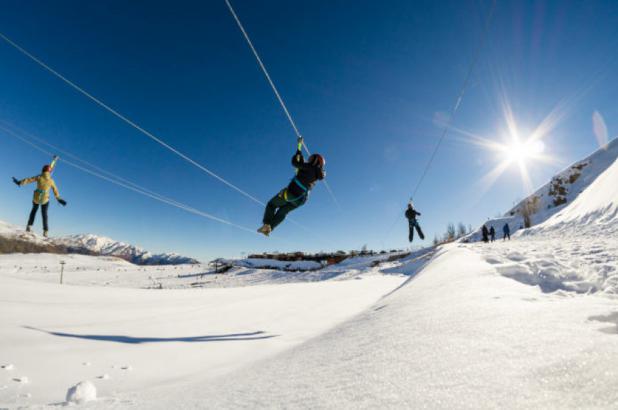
x,y
317,160
46,168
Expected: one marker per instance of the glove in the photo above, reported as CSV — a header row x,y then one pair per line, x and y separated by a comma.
x,y
300,143
62,202
17,181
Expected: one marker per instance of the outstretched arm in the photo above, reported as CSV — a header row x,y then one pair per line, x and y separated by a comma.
x,y
28,180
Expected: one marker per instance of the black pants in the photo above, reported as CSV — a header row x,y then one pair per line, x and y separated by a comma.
x,y
414,224
278,208
506,235
35,208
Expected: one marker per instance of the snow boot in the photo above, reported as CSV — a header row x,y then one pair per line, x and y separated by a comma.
x,y
46,234
29,228
265,230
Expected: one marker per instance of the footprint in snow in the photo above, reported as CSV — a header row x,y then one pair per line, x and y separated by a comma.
x,y
493,261
103,377
22,380
8,366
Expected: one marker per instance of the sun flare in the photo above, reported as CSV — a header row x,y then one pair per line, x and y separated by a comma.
x,y
522,151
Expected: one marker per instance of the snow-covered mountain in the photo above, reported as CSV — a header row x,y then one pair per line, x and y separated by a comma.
x,y
595,209
90,245
565,187
101,245
555,196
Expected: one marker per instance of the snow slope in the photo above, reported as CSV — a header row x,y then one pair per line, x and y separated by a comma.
x,y
565,186
458,335
560,192
594,209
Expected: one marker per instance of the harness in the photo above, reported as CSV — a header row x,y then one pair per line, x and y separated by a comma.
x,y
301,186
41,193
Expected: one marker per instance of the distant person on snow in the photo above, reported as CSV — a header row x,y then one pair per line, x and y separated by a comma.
x,y
44,183
506,230
485,234
411,214
297,192
492,233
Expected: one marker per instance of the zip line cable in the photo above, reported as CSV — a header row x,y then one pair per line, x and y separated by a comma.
x,y
118,180
455,106
460,96
6,127
130,185
141,129
127,120
274,88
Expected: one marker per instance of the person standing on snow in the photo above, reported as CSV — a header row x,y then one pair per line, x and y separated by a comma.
x,y
492,233
506,230
485,234
411,214
44,183
297,192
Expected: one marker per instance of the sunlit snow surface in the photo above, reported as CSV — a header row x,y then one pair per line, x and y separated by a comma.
x,y
530,323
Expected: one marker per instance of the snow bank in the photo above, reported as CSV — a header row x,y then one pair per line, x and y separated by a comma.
x,y
81,393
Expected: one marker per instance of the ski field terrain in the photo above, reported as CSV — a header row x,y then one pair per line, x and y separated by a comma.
x,y
526,323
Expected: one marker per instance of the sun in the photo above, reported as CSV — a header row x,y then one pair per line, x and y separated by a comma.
x,y
520,152
515,147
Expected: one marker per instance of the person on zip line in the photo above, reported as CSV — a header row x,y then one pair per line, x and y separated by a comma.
x,y
297,192
411,215
44,183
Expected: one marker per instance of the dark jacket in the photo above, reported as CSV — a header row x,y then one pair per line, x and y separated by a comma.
x,y
506,228
411,214
306,176
492,231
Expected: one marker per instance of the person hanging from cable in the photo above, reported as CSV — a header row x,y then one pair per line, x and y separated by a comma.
x,y
411,214
44,183
297,192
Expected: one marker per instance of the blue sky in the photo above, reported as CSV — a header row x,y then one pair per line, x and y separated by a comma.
x,y
363,82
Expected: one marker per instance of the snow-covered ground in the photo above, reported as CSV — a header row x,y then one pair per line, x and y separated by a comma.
x,y
527,323
130,340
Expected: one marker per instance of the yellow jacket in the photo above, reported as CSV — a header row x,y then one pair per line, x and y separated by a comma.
x,y
44,183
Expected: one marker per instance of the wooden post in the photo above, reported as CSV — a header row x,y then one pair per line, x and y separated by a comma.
x,y
62,263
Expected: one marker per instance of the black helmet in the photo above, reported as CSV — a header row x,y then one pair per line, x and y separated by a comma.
x,y
317,160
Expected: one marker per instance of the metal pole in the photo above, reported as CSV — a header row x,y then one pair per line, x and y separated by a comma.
x,y
61,270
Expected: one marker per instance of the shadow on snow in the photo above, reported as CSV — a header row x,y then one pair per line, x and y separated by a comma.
x,y
232,337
